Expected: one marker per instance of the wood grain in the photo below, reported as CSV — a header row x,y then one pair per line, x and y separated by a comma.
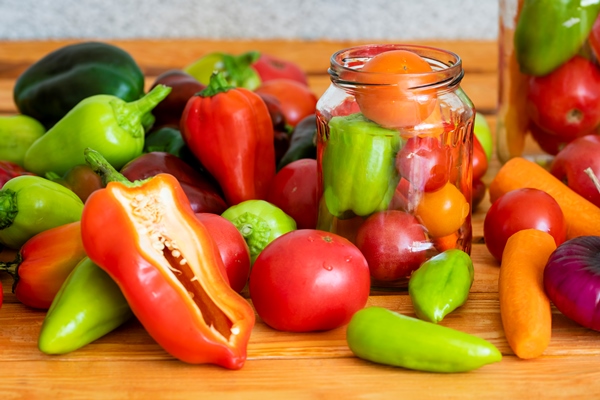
x,y
127,363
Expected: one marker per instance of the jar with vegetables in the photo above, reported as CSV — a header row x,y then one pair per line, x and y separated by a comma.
x,y
549,76
394,152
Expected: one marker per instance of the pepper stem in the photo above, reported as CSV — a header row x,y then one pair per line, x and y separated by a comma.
x,y
217,84
133,114
8,207
12,267
104,169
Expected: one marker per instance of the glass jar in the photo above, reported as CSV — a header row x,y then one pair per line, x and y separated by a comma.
x,y
549,89
394,154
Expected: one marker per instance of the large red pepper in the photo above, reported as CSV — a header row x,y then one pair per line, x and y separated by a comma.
x,y
145,235
230,131
43,264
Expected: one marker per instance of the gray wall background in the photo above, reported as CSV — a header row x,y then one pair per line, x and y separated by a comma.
x,y
259,19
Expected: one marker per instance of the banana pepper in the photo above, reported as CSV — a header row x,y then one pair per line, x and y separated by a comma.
x,y
167,266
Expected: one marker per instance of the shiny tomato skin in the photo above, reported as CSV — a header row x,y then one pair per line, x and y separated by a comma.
x,y
294,190
480,161
566,102
296,100
232,248
424,162
519,209
270,67
309,280
390,242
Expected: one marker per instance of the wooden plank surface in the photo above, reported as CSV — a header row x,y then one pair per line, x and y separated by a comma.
x,y
127,363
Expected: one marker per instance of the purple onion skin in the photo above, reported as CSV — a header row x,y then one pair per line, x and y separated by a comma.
x,y
572,280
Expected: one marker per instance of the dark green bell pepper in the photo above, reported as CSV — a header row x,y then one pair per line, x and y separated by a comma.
x,y
56,83
387,337
166,139
32,204
88,305
17,133
358,166
105,123
551,32
441,284
259,222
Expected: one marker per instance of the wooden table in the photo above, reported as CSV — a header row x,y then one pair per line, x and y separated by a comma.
x,y
127,363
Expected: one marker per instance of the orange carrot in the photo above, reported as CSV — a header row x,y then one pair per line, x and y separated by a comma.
x,y
524,305
581,216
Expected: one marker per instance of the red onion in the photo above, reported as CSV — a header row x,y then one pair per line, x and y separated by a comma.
x,y
572,280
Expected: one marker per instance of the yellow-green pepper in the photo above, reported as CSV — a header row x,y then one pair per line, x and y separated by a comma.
x,y
17,134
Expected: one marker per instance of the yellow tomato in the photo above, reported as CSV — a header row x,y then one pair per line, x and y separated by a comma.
x,y
444,211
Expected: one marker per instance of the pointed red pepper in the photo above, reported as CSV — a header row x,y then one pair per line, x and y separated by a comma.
x,y
145,235
230,131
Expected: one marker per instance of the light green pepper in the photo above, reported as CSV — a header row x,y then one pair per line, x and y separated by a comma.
x,y
441,284
17,134
386,337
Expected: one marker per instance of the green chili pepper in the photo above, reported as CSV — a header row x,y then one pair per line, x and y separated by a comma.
x,y
441,284
32,204
386,337
56,83
237,70
358,164
259,222
302,142
551,32
88,305
105,123
17,134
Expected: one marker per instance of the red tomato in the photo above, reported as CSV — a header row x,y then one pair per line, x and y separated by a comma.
x,y
480,162
294,190
547,141
479,190
424,162
309,280
269,68
519,209
391,106
232,247
566,102
394,244
297,101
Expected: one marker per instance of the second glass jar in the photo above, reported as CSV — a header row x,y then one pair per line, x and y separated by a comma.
x,y
394,153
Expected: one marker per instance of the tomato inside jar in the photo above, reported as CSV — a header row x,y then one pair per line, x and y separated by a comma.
x,y
394,156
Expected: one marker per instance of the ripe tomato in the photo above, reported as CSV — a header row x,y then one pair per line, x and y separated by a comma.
x,y
297,100
270,67
309,280
294,190
424,162
519,209
547,141
393,243
566,102
395,106
443,211
232,247
480,161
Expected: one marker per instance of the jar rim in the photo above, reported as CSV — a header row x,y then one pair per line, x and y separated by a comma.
x,y
345,67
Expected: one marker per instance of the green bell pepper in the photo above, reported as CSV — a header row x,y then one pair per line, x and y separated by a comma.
x,y
88,305
56,83
259,222
32,204
17,134
105,123
386,337
441,284
551,32
166,139
358,166
237,70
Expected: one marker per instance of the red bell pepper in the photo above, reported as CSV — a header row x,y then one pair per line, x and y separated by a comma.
x,y
145,235
43,264
230,131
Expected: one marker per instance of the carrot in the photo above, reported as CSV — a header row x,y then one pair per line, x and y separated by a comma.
x,y
581,216
524,306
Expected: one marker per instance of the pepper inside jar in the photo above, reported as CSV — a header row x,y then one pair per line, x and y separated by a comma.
x,y
394,153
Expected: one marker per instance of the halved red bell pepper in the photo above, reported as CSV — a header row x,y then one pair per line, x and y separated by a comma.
x,y
43,263
230,131
145,235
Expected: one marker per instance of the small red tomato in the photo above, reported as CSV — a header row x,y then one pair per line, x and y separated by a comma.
x,y
566,102
480,162
519,209
232,247
424,162
297,100
479,189
309,280
270,67
394,244
294,190
548,142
